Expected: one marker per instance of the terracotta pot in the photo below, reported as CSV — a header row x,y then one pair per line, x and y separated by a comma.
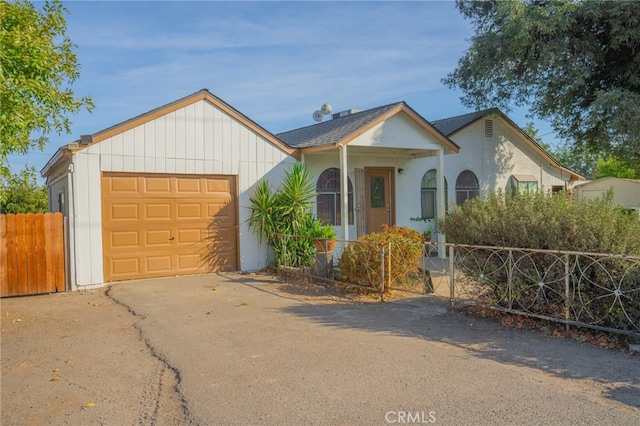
x,y
321,243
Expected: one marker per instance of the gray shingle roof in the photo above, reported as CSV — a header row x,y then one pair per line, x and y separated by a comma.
x,y
447,126
333,131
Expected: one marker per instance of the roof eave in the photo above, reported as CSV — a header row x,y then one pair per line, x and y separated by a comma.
x,y
203,94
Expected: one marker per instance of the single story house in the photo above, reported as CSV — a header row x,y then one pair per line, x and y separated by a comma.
x,y
167,193
626,192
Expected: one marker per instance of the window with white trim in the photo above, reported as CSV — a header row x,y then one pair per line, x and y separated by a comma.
x,y
328,199
466,187
428,194
522,184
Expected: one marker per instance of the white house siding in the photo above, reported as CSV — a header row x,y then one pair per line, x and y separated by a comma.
x,y
625,192
398,131
493,160
196,139
390,138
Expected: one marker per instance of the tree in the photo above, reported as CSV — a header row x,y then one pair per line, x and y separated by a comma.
x,y
575,63
580,161
38,67
20,193
615,167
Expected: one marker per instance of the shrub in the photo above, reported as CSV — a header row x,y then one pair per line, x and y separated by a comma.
x,y
541,221
287,211
607,289
360,262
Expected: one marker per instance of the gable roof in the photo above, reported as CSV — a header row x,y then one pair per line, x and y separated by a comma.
x,y
342,130
452,125
203,94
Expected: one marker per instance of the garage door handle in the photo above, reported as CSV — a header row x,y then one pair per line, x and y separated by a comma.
x,y
172,238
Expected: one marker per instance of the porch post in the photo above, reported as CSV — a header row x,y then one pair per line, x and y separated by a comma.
x,y
440,202
344,193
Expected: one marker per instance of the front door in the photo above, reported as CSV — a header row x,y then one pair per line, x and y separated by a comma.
x,y
379,203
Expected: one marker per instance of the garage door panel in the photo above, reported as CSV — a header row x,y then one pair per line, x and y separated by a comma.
x,y
220,186
157,185
124,212
158,264
124,184
157,238
189,211
125,267
158,210
158,225
190,236
220,210
188,185
189,262
124,239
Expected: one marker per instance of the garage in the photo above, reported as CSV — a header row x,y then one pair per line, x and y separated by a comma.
x,y
157,225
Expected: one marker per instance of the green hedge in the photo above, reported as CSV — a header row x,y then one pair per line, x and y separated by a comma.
x,y
541,221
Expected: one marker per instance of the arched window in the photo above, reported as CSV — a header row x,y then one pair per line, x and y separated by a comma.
x,y
466,186
428,194
328,199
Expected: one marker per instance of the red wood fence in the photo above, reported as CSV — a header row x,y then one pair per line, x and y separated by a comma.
x,y
31,254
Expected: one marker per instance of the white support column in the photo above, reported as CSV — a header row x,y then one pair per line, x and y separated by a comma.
x,y
344,193
440,202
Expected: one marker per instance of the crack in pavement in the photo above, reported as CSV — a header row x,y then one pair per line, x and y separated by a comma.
x,y
166,390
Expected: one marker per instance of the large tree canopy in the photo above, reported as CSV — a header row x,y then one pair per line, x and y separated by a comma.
x,y
575,63
37,68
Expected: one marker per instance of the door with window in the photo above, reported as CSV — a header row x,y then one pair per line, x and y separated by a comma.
x,y
379,203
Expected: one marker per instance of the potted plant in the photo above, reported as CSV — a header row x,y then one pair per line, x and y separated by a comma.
x,y
323,236
427,235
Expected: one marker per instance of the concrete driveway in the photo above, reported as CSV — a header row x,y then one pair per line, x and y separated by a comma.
x,y
243,349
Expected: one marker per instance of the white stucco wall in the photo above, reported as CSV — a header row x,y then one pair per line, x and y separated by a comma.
x,y
196,139
391,139
625,192
494,160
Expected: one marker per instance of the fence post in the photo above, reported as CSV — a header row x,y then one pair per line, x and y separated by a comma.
x,y
389,266
382,274
284,252
567,294
510,279
452,290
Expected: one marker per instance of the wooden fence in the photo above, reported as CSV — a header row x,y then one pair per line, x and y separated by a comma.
x,y
31,254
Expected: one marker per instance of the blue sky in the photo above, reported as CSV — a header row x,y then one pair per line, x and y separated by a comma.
x,y
275,61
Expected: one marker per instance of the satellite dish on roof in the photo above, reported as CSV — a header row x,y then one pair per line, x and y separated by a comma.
x,y
318,116
325,109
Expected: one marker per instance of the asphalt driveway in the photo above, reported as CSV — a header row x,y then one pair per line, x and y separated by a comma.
x,y
244,349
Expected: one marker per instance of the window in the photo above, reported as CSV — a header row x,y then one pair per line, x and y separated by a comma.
x,y
61,203
466,186
328,199
522,184
428,194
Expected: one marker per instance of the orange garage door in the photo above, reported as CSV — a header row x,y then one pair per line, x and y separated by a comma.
x,y
157,225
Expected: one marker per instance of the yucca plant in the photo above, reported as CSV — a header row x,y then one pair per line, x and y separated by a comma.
x,y
287,211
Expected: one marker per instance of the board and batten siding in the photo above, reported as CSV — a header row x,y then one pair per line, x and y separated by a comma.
x,y
196,139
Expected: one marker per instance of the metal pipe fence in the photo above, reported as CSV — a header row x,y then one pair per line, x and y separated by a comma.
x,y
594,290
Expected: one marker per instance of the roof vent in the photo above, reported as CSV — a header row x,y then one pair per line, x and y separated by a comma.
x,y
488,128
86,139
345,113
